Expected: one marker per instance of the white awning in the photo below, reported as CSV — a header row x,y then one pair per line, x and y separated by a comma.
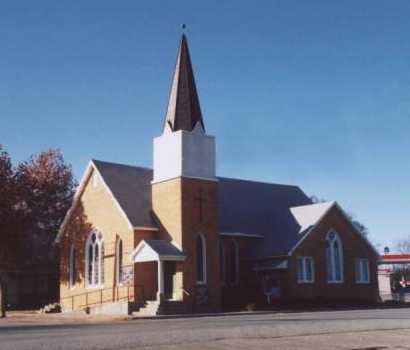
x,y
156,250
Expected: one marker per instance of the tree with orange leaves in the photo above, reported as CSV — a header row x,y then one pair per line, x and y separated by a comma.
x,y
46,188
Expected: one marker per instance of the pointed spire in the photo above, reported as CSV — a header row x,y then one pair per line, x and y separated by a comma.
x,y
184,111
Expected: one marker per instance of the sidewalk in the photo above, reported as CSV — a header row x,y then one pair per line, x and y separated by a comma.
x,y
33,318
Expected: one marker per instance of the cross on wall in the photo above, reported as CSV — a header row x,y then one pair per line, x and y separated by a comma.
x,y
200,199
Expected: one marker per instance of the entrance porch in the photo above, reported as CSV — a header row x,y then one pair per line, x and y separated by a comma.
x,y
167,257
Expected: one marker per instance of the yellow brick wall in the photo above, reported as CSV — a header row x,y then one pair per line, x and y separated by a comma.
x,y
176,207
167,206
96,210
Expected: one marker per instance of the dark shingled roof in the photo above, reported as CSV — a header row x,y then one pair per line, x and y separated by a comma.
x,y
184,110
163,248
244,206
131,187
262,209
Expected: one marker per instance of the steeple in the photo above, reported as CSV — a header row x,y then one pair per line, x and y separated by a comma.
x,y
184,149
184,111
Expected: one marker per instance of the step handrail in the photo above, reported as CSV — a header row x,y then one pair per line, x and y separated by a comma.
x,y
115,296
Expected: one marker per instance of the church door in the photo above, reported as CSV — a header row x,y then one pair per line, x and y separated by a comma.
x,y
169,272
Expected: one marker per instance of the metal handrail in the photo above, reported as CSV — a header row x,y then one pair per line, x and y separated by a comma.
x,y
115,296
186,292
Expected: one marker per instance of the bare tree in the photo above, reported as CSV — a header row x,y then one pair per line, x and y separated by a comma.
x,y
403,245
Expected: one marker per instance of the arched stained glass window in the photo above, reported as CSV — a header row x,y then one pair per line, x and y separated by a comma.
x,y
334,258
95,259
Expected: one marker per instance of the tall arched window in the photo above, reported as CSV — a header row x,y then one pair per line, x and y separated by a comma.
x,y
334,258
72,267
95,259
233,256
222,265
200,259
119,265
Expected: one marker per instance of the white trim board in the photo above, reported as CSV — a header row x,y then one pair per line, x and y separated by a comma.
x,y
145,253
80,190
333,204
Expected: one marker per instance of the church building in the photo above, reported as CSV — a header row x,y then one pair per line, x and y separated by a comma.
x,y
177,238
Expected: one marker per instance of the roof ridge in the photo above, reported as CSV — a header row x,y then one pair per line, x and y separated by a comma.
x,y
259,182
121,164
218,177
313,204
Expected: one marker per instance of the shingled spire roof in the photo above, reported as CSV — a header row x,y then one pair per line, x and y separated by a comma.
x,y
184,111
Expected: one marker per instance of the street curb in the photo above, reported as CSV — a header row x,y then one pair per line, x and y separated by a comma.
x,y
265,312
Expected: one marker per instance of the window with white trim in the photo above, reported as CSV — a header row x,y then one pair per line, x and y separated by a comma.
x,y
72,267
200,259
94,260
362,270
119,262
334,258
305,269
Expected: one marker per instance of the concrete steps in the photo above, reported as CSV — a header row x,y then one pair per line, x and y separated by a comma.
x,y
167,307
51,308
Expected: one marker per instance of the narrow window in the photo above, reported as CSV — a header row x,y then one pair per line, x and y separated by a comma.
x,y
102,275
309,269
362,270
233,263
305,269
119,262
334,258
90,260
72,267
96,264
222,261
200,259
95,260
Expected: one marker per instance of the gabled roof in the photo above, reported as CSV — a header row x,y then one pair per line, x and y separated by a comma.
x,y
253,209
131,187
156,249
184,110
276,217
311,215
308,215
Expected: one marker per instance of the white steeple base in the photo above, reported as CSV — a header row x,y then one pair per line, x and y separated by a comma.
x,y
184,153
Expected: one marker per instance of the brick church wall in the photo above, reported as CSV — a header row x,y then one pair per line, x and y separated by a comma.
x,y
176,205
354,246
247,290
145,274
96,210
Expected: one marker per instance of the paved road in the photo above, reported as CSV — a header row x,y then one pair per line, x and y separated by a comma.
x,y
364,329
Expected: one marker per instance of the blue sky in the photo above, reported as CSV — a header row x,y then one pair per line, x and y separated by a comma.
x,y
313,93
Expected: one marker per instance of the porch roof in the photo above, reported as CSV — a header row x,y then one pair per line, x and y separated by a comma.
x,y
155,250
